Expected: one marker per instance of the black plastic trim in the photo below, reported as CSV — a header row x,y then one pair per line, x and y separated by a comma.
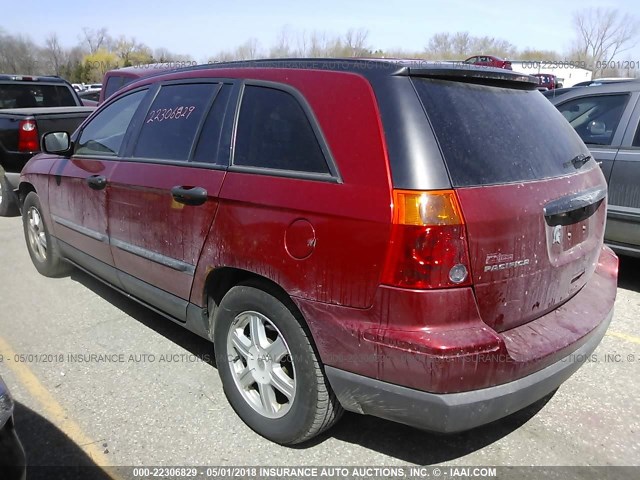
x,y
87,232
575,207
194,319
107,273
175,306
155,257
415,159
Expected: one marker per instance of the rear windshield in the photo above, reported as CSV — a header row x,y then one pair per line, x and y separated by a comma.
x,y
115,83
32,95
492,135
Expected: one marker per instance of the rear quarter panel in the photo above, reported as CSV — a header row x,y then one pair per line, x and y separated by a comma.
x,y
350,220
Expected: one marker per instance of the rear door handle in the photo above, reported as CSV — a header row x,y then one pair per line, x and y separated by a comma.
x,y
97,182
189,195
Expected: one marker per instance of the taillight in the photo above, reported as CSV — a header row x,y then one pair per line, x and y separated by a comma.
x,y
28,136
428,247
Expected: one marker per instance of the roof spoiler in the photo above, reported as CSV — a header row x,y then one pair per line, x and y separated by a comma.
x,y
481,75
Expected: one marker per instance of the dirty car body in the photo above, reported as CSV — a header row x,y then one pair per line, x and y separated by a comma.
x,y
429,229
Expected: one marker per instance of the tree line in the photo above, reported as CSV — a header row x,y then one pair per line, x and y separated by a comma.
x,y
96,53
600,35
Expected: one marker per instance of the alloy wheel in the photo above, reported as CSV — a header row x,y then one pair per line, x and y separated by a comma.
x,y
36,234
261,364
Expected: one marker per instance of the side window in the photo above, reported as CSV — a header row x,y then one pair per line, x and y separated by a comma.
x,y
104,134
214,144
170,127
113,85
636,139
274,132
595,118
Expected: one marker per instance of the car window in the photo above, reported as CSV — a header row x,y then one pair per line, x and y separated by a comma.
x,y
493,135
274,132
103,135
212,147
113,85
29,95
636,139
596,117
171,125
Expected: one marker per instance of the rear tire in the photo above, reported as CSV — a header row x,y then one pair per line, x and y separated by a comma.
x,y
269,370
8,199
43,248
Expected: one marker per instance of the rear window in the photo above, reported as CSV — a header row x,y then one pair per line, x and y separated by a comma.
x,y
115,83
275,133
491,135
32,95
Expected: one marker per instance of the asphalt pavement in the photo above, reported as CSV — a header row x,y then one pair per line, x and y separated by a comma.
x,y
101,380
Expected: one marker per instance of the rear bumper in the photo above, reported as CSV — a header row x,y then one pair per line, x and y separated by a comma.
x,y
455,412
14,162
13,178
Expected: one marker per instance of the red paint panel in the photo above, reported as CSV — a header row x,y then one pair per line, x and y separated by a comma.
x,y
351,219
71,199
435,340
143,213
506,223
350,230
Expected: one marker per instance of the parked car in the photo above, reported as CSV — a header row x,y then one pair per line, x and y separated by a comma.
x,y
90,95
116,79
557,92
12,457
603,81
547,81
93,86
489,61
350,234
30,107
607,119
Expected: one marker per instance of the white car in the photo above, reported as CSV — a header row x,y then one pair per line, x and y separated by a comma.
x,y
93,87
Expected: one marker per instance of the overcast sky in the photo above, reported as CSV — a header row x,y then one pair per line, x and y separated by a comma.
x,y
202,28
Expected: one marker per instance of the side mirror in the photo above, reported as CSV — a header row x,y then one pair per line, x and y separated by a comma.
x,y
597,128
56,142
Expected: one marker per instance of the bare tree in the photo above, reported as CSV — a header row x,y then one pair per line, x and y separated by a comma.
x,y
356,42
18,54
96,39
461,45
282,48
54,53
248,50
439,46
601,34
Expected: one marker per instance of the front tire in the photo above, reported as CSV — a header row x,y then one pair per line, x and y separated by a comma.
x,y
269,370
42,247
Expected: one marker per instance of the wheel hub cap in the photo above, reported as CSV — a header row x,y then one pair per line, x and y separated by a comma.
x,y
36,234
261,364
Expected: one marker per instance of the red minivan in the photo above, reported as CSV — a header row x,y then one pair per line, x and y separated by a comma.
x,y
419,242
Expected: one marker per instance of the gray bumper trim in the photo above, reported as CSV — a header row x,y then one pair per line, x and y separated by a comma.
x,y
455,412
13,178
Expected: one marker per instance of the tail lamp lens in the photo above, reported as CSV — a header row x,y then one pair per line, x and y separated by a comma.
x,y
28,136
428,246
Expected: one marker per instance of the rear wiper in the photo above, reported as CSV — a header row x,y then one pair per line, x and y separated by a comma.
x,y
579,160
